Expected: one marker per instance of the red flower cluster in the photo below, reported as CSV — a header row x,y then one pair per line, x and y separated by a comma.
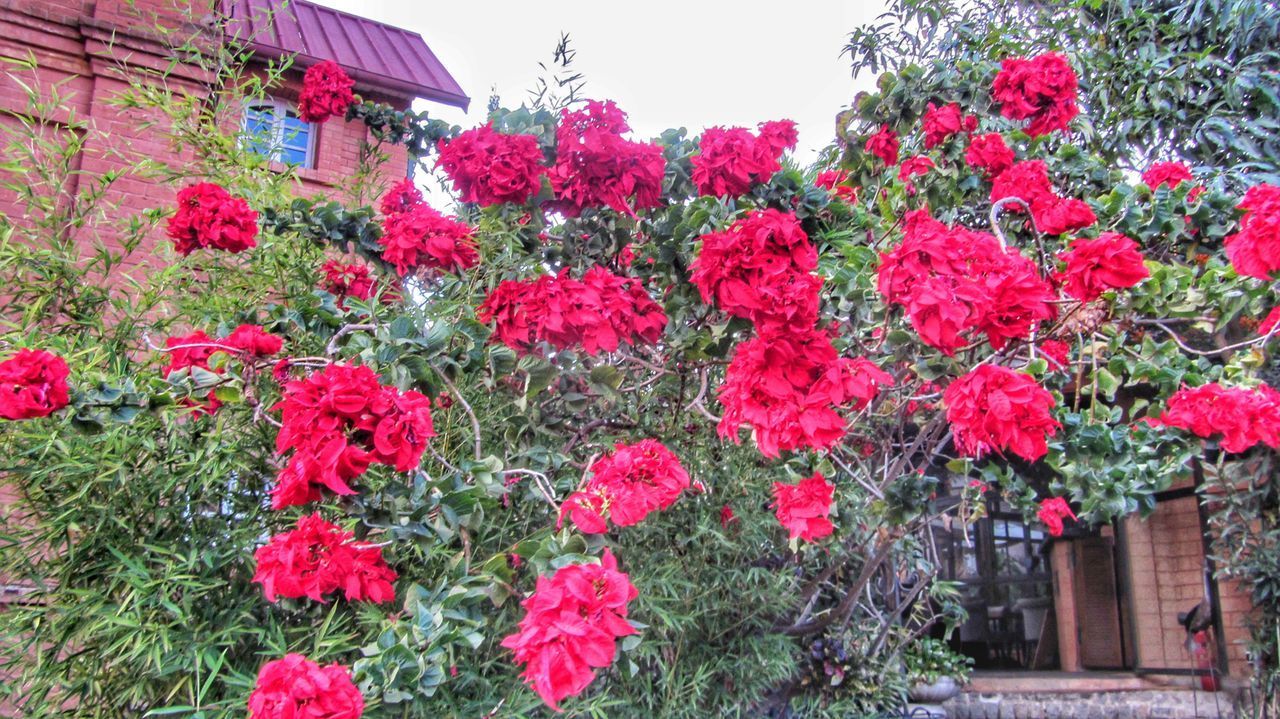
x,y
1052,511
943,123
1255,250
915,165
319,558
596,167
996,408
954,282
402,197
1042,89
253,341
1270,321
571,626
1244,417
33,383
1112,261
884,145
1167,173
760,268
625,487
989,153
1056,352
787,387
804,508
297,688
730,161
1053,215
836,181
208,216
598,312
340,420
343,281
195,349
326,92
421,237
490,168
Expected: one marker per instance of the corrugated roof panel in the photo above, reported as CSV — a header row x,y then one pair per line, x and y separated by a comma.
x,y
375,54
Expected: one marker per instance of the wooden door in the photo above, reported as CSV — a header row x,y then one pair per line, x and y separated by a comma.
x,y
1101,643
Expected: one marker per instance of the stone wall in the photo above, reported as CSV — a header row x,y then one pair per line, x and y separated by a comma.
x,y
1148,704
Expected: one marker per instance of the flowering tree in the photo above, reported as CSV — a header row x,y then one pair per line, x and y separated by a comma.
x,y
647,426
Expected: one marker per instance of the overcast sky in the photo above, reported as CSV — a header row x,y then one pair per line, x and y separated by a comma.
x,y
667,64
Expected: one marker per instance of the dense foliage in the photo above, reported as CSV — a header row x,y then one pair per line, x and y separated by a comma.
x,y
522,427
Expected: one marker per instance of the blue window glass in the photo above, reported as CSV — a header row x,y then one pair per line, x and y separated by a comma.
x,y
275,130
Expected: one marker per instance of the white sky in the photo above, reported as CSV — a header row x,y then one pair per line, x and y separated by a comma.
x,y
688,64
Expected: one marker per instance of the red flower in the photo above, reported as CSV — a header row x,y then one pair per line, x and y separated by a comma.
x,y
343,281
954,282
760,268
626,486
490,168
596,167
1057,352
1112,261
884,145
996,408
804,508
1167,173
422,237
1270,321
1052,511
917,165
340,420
326,92
727,516
1042,89
194,350
598,312
989,153
254,341
1255,250
943,123
1062,216
297,688
570,628
788,385
402,197
836,181
319,558
731,161
208,216
1244,417
33,383
1053,215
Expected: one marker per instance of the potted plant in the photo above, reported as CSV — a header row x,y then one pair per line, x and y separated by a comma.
x,y
935,673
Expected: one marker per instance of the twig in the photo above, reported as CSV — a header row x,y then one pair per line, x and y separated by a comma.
x,y
475,423
343,331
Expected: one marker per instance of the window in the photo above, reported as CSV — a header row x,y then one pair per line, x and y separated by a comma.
x,y
275,130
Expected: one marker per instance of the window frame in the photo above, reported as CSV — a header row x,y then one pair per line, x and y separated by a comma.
x,y
280,110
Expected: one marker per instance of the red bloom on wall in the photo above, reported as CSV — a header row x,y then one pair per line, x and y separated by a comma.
x,y
953,283
209,217
1112,261
836,181
942,123
1243,417
912,166
997,409
804,508
596,167
990,154
295,687
760,268
1255,250
490,168
422,237
254,341
319,558
347,280
326,92
1041,89
626,486
1167,173
788,387
33,383
884,145
571,626
1053,215
402,197
1062,216
337,422
731,161
599,312
1052,512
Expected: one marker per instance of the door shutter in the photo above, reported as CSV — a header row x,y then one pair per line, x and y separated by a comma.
x,y
1097,608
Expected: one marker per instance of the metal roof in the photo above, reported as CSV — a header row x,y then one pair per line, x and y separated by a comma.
x,y
375,54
